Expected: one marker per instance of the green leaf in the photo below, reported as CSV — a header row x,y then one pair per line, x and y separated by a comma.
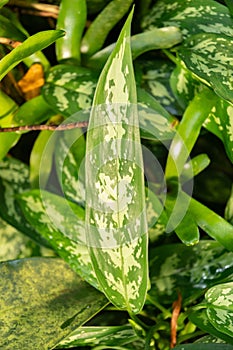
x,y
3,2
14,179
8,107
203,347
184,86
155,79
62,224
229,208
175,266
9,30
40,165
99,29
115,200
200,319
69,159
31,45
34,111
210,57
220,307
187,230
93,336
46,300
157,38
15,245
194,166
193,16
69,89
212,223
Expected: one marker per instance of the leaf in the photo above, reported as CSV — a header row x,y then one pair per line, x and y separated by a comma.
x,y
193,16
46,300
173,267
194,166
115,200
31,45
9,30
92,336
200,319
69,159
3,2
209,57
157,38
14,179
220,307
155,80
34,111
184,86
229,208
99,29
41,165
212,223
15,245
203,347
69,89
61,223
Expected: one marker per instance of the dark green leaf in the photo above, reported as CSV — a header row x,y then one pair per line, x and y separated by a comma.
x,y
210,58
14,179
200,319
43,301
203,347
193,16
175,266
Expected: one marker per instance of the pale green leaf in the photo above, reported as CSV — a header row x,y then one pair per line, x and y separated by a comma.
x,y
31,45
46,300
115,200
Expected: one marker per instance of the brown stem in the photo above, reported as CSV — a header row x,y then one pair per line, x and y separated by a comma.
x,y
175,314
10,42
60,127
36,9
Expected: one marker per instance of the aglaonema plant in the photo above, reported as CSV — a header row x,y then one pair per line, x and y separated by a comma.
x,y
116,245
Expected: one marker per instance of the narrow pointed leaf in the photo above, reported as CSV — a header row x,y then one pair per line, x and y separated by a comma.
x,y
115,199
31,45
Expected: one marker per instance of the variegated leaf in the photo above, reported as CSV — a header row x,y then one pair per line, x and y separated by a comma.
x,y
69,89
115,200
191,16
220,307
210,58
14,179
93,336
69,156
62,223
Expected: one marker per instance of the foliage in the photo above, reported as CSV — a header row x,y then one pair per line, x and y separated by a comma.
x,y
117,236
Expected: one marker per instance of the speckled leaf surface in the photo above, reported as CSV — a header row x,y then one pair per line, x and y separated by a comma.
x,y
174,266
220,307
15,245
220,123
116,224
14,179
93,336
210,57
155,80
43,301
200,319
183,85
191,16
69,158
62,223
69,89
